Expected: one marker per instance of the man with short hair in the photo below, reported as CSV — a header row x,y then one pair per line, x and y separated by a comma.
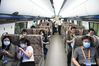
x,y
69,40
85,55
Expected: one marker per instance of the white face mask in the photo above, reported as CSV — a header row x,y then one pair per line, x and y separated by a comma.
x,y
23,45
42,34
6,43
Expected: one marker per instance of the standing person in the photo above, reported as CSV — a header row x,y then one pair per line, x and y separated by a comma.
x,y
59,26
25,53
86,54
7,52
53,27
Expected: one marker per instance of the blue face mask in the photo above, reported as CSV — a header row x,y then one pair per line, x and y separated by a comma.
x,y
86,44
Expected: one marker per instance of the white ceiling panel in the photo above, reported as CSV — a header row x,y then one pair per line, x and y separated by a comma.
x,y
57,5
27,7
44,7
80,8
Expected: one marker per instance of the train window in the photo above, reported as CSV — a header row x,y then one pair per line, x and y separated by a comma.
x,y
20,26
91,25
98,30
79,23
95,27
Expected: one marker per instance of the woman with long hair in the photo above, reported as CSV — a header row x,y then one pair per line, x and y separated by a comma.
x,y
7,52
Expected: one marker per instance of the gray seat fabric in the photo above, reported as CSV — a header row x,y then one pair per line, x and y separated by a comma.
x,y
37,30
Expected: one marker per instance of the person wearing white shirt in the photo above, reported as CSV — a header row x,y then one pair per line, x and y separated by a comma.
x,y
59,26
25,53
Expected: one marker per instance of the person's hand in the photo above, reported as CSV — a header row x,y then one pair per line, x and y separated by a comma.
x,y
1,53
20,49
71,40
5,52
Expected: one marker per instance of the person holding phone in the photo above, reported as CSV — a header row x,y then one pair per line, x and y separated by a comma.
x,y
7,52
25,53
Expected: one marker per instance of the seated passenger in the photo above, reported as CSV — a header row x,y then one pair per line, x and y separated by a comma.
x,y
25,53
69,40
5,33
7,52
44,36
42,32
23,33
70,35
85,55
91,33
45,41
81,31
33,26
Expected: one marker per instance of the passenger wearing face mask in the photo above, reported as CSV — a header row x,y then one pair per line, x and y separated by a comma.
x,y
7,52
25,53
85,55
